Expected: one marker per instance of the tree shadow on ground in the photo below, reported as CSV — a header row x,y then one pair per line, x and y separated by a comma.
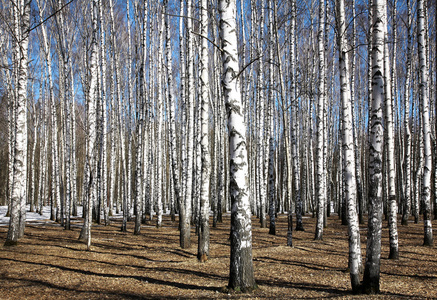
x,y
146,279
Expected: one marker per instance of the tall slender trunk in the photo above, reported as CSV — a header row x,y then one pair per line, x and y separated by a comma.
x,y
426,128
269,130
261,130
19,184
160,115
184,218
74,193
190,127
371,282
91,128
241,275
407,159
113,105
53,120
390,163
140,126
104,117
348,157
171,110
320,165
203,243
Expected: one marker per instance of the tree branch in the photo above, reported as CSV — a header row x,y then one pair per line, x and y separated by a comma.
x,y
49,17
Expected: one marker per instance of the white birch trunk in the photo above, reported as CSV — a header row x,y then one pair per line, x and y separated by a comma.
x,y
241,266
53,119
269,131
407,154
392,205
104,116
371,283
262,155
348,156
19,183
112,162
426,128
190,124
36,120
171,111
203,242
91,128
159,113
73,144
141,95
320,165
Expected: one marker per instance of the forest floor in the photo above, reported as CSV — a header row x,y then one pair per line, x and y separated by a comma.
x,y
50,263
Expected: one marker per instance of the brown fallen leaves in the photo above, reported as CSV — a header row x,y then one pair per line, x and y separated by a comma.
x,y
50,263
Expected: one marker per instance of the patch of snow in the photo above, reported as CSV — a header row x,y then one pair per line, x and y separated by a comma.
x,y
31,216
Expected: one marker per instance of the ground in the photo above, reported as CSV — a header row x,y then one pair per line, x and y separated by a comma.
x,y
50,263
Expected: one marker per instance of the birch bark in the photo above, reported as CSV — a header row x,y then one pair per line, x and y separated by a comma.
x,y
171,109
91,128
371,282
241,275
269,130
392,205
203,242
348,156
159,112
426,128
19,184
320,165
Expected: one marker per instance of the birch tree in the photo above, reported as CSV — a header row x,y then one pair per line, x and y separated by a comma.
x,y
159,115
407,154
21,16
390,163
371,284
171,112
91,130
426,128
348,156
294,125
320,169
241,276
269,131
261,128
203,241
103,116
140,127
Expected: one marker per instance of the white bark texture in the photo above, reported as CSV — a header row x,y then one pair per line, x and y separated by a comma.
x,y
262,151
203,243
19,180
407,154
320,165
160,115
392,204
371,282
426,127
270,132
171,111
241,266
91,127
348,156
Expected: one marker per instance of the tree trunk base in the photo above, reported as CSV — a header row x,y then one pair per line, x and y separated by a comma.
x,y
356,284
236,290
299,227
203,258
272,230
394,254
428,241
10,243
